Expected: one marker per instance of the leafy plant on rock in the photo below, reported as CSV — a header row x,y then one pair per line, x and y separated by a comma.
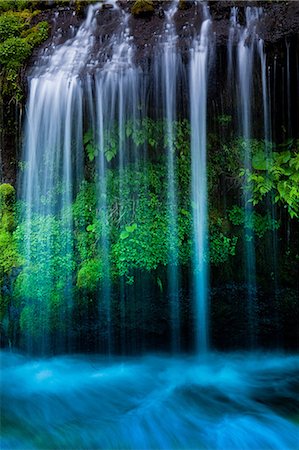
x,y
277,175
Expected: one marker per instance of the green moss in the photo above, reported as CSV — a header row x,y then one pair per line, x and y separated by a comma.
x,y
8,250
17,40
142,7
9,257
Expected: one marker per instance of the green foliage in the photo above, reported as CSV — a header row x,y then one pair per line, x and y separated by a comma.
x,y
11,25
137,221
43,289
85,205
141,132
237,215
13,52
45,283
37,34
9,254
277,175
226,157
224,119
125,228
92,148
138,235
34,319
145,132
222,245
259,223
224,161
90,273
90,145
144,244
128,230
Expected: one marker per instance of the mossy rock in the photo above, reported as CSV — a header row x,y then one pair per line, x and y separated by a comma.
x,y
142,8
17,40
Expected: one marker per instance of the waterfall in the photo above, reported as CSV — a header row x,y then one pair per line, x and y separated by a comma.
x,y
231,35
266,108
52,156
62,100
268,153
149,188
169,63
117,96
245,58
90,101
198,118
64,103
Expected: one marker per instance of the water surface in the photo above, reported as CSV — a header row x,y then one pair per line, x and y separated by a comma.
x,y
221,401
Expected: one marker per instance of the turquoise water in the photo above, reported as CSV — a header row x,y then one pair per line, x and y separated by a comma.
x,y
221,401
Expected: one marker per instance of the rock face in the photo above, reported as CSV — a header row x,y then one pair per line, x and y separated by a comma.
x,y
278,27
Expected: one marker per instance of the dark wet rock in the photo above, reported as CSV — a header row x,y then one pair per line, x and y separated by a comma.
x,y
107,6
161,13
279,21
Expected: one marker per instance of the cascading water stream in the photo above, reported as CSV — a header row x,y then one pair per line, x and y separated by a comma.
x,y
245,57
117,97
170,61
268,156
233,29
55,130
112,94
249,48
219,402
198,118
74,90
52,158
266,108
